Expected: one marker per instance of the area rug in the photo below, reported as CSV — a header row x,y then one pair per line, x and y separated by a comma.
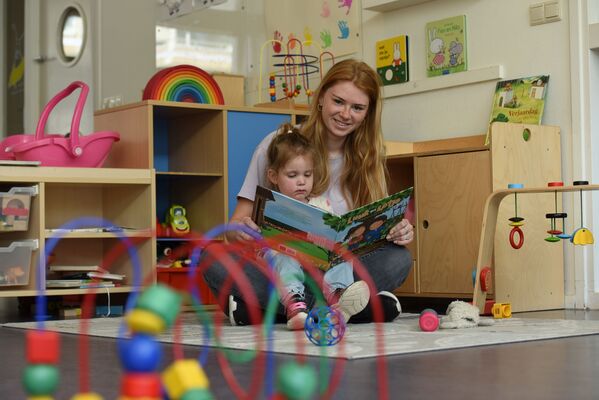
x,y
360,340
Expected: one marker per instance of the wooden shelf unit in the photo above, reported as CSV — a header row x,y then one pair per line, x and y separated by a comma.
x,y
200,152
452,180
120,197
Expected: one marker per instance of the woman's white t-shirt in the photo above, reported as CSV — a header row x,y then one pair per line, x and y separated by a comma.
x,y
256,175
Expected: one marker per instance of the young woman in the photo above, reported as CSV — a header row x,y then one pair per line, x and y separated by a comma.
x,y
344,127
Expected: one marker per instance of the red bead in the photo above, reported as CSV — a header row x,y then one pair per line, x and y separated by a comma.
x,y
43,347
141,385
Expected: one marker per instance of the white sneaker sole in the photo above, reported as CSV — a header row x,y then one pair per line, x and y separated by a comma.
x,y
353,300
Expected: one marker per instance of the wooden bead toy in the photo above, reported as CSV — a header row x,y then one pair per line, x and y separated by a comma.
x,y
87,396
143,321
429,320
140,353
159,300
515,221
40,379
43,347
296,381
582,235
141,385
502,310
183,376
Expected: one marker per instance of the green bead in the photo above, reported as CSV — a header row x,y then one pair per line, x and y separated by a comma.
x,y
40,379
197,394
162,300
296,382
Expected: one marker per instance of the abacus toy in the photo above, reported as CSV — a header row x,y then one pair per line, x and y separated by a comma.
x,y
582,235
555,234
516,222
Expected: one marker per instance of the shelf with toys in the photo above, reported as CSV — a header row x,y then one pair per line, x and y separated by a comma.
x,y
200,153
67,203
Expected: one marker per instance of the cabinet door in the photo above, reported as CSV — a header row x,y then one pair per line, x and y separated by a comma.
x,y
451,193
245,130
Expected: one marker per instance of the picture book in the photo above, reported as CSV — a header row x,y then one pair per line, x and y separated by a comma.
x,y
519,100
304,231
447,50
392,63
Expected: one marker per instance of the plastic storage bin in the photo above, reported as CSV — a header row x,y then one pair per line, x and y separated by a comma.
x,y
14,208
15,263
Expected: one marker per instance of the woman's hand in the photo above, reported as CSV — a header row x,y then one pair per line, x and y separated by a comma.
x,y
239,235
242,216
402,233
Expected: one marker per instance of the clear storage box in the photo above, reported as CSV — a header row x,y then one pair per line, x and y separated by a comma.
x,y
14,208
15,263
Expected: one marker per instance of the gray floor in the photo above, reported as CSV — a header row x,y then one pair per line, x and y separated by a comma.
x,y
551,369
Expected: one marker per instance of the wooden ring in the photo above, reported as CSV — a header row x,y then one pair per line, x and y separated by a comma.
x,y
516,230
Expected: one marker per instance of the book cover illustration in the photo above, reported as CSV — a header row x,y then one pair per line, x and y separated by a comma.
x,y
302,230
446,53
520,100
392,63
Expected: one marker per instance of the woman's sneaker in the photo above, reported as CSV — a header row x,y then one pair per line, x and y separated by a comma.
x,y
351,300
390,307
297,313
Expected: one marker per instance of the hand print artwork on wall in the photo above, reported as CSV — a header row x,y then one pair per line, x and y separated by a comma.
x,y
343,30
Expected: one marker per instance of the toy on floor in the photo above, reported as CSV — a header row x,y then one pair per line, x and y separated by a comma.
x,y
501,310
428,320
324,326
582,235
462,315
516,221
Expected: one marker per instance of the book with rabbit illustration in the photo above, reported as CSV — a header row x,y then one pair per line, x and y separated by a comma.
x,y
307,232
392,60
446,49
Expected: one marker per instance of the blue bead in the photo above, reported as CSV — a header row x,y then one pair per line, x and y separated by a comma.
x,y
140,353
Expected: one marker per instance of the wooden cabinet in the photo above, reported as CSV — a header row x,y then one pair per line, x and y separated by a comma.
x,y
78,196
452,180
200,152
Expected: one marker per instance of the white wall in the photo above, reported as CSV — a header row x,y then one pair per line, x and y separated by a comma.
x,y
498,33
126,55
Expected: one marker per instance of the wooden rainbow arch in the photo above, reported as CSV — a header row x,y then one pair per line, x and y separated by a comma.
x,y
183,83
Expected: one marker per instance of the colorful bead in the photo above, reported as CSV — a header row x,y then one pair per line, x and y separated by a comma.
x,y
143,321
141,353
40,379
182,376
43,347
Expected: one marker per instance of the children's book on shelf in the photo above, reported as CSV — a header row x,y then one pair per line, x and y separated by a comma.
x,y
301,230
76,268
519,100
447,51
392,62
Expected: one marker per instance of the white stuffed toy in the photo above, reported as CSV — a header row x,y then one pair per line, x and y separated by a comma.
x,y
463,315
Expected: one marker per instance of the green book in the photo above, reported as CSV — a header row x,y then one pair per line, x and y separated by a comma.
x,y
447,50
312,235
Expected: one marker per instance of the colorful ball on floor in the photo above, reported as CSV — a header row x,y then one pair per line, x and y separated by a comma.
x,y
324,326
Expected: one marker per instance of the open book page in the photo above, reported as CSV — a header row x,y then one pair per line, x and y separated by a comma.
x,y
301,230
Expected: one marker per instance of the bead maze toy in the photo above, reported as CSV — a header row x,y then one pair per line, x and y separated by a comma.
x,y
152,309
489,225
294,69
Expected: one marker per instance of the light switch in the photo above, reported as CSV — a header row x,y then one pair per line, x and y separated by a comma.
x,y
537,13
552,11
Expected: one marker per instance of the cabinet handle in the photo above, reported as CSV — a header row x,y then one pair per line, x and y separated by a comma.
x,y
425,224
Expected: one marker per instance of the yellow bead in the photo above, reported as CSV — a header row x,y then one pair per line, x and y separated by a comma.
x,y
144,321
183,375
40,398
87,396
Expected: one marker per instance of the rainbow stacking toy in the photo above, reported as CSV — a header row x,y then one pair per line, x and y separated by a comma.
x,y
183,83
